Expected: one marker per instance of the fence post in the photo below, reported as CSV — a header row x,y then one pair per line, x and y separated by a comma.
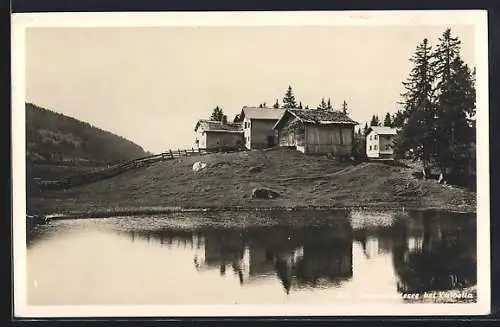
x,y
171,154
179,151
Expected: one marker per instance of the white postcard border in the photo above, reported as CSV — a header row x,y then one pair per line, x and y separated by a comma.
x,y
29,20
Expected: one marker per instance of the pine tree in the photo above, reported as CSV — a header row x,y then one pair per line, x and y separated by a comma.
x,y
322,105
398,119
289,99
217,114
261,106
237,119
329,105
344,107
418,135
306,107
276,105
365,129
453,101
375,121
456,106
387,120
300,105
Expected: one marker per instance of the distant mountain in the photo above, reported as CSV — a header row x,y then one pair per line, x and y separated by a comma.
x,y
54,137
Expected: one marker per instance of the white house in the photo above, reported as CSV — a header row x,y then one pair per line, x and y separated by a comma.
x,y
380,142
258,126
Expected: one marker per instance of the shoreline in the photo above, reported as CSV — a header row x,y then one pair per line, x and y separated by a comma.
x,y
171,210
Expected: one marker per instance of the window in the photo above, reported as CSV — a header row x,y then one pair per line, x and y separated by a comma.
x,y
375,147
370,147
376,137
245,124
370,139
387,147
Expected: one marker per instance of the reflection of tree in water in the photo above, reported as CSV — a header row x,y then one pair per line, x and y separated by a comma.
x,y
168,237
434,252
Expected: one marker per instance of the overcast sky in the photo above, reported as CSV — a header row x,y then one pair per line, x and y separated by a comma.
x,y
151,84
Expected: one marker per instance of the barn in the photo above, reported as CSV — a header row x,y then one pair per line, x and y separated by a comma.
x,y
316,131
216,135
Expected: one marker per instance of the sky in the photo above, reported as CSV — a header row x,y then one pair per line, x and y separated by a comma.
x,y
152,84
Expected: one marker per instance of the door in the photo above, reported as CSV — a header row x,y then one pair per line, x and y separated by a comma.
x,y
270,141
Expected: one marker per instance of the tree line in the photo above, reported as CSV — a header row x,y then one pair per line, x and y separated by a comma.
x,y
288,102
438,107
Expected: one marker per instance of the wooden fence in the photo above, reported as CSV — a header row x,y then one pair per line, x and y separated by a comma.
x,y
116,169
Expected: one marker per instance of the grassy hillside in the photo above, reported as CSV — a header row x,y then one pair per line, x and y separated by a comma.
x,y
228,180
56,138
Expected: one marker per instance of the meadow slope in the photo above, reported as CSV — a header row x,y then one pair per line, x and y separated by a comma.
x,y
227,181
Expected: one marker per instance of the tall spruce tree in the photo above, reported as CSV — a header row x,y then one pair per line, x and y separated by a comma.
x,y
365,130
217,114
329,105
455,102
289,99
300,105
276,105
387,120
375,121
344,107
322,105
418,135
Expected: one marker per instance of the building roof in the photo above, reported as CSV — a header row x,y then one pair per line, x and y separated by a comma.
x,y
217,126
318,117
262,113
382,130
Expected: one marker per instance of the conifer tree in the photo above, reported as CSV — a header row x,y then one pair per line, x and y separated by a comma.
x,y
300,105
418,135
365,129
289,99
344,107
375,121
387,120
217,114
329,105
276,105
322,105
455,101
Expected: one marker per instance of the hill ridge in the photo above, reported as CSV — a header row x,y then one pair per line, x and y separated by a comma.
x,y
55,137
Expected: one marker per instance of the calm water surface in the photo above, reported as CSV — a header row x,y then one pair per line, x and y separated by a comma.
x,y
308,257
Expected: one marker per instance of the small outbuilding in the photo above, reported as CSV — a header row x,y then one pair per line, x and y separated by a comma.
x,y
380,142
216,135
258,126
316,131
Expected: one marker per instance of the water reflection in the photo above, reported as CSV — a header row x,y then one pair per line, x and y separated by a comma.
x,y
431,251
412,253
434,252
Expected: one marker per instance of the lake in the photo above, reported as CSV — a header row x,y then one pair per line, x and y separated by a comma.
x,y
252,258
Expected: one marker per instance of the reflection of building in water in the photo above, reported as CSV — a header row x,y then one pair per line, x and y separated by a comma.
x,y
324,259
306,258
224,250
433,252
